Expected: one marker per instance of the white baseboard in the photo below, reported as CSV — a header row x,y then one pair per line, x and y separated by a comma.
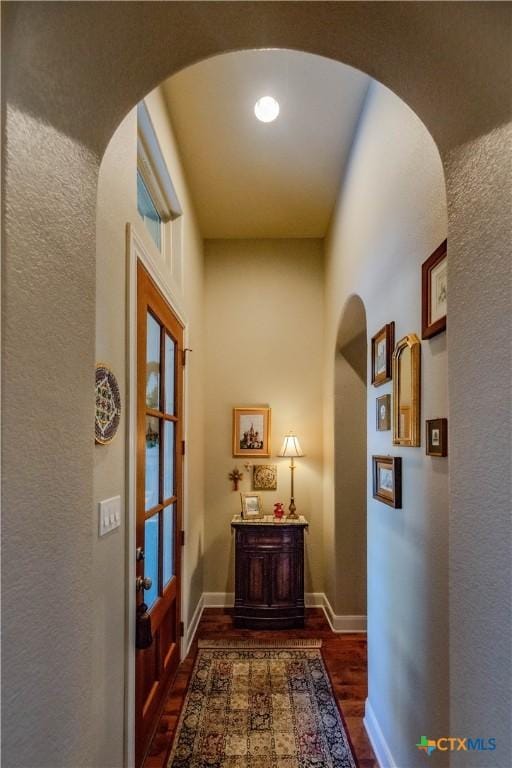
x,y
343,622
192,627
382,752
314,599
338,623
218,599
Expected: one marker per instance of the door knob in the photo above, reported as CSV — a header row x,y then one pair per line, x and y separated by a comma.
x,y
139,554
143,583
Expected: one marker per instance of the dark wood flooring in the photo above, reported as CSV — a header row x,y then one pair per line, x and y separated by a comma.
x,y
344,656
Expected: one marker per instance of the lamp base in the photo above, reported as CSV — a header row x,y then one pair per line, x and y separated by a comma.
x,y
292,515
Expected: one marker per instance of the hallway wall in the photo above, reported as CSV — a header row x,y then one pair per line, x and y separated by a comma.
x,y
390,216
117,205
264,336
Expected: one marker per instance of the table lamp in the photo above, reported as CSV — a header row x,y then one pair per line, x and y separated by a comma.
x,y
291,447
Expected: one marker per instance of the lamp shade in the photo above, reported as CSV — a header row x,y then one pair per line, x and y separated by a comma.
x,y
291,446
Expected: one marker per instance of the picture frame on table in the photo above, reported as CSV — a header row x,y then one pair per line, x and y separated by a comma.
x,y
436,437
382,351
434,292
251,431
387,480
252,508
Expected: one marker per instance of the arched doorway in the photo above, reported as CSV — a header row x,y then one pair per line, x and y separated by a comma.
x,y
54,86
350,486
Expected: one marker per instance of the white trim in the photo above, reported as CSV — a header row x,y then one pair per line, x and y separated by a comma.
x,y
380,746
338,623
218,599
343,622
136,250
193,624
314,599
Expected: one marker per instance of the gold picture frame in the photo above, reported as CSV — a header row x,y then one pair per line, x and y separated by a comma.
x,y
251,431
252,508
406,392
264,477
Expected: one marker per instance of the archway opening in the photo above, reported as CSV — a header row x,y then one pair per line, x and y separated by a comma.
x,y
350,462
270,275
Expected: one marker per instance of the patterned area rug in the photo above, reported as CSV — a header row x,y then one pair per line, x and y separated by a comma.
x,y
260,705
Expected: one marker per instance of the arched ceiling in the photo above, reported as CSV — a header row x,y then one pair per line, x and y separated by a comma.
x,y
253,179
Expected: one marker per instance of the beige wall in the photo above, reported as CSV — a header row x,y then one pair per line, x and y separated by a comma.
x,y
390,216
264,336
117,205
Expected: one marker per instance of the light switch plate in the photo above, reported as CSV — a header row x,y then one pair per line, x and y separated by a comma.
x,y
109,514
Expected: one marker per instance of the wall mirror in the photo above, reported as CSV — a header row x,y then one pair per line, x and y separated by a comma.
x,y
406,391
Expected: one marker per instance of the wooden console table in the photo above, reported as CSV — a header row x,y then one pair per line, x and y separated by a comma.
x,y
269,573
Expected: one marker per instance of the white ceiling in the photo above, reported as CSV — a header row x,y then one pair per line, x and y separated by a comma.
x,y
252,179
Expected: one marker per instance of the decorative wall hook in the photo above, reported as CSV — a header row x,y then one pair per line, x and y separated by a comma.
x,y
235,476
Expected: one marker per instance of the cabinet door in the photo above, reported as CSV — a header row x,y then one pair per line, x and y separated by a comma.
x,y
284,578
255,579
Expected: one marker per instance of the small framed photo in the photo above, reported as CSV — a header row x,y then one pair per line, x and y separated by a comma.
x,y
383,413
387,480
382,351
264,477
434,293
251,431
251,506
436,437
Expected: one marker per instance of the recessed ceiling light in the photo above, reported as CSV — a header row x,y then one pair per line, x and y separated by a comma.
x,y
266,109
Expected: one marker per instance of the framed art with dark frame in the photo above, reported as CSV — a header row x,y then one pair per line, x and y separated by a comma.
x,y
434,293
382,350
383,414
436,437
387,480
251,431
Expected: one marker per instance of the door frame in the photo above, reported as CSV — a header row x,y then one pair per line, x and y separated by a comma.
x,y
136,250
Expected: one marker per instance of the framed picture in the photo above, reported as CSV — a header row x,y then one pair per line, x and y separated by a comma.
x,y
436,437
251,506
382,349
264,477
251,431
383,413
434,293
387,480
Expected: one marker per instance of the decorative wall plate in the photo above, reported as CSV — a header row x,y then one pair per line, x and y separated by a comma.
x,y
108,405
264,477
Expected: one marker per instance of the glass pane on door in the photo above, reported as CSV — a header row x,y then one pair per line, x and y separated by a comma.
x,y
152,462
168,459
153,363
168,542
151,558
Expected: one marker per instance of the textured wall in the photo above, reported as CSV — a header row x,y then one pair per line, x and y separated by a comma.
x,y
479,189
72,72
264,336
390,216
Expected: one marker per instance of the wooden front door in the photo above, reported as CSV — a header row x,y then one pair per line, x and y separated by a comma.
x,y
159,499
